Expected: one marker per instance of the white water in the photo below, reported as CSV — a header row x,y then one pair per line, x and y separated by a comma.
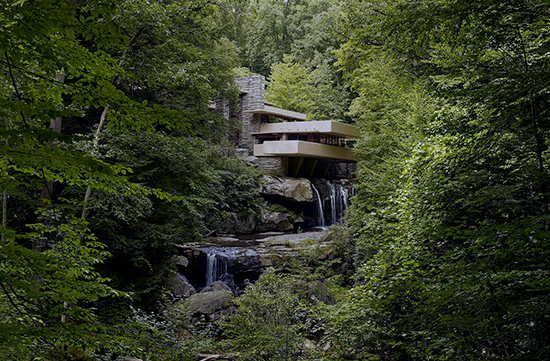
x,y
320,214
211,268
345,197
216,267
332,196
217,258
340,202
337,199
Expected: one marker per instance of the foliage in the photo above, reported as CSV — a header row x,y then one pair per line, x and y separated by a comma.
x,y
142,232
391,109
271,31
443,245
268,322
267,31
157,337
289,86
66,65
43,292
315,50
177,59
47,270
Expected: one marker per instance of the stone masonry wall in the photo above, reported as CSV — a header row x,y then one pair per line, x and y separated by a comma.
x,y
276,166
254,98
342,170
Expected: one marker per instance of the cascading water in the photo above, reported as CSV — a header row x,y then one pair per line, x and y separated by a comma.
x,y
216,266
333,207
343,200
320,213
218,258
336,196
211,268
345,196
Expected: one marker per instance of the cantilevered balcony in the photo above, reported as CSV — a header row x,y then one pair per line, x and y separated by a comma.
x,y
324,139
329,127
277,112
303,149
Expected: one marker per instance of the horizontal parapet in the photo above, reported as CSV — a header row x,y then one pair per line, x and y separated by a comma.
x,y
331,127
298,148
270,110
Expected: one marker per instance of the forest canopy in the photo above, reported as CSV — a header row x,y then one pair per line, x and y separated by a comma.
x,y
111,157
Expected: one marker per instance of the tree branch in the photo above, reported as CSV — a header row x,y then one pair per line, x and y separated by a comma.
x,y
14,83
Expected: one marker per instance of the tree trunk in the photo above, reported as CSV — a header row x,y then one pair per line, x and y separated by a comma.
x,y
55,125
95,144
4,211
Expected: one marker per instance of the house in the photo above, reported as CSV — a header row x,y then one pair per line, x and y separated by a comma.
x,y
285,143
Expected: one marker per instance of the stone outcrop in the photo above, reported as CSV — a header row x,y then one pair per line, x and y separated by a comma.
x,y
244,260
180,286
275,221
211,299
293,189
239,225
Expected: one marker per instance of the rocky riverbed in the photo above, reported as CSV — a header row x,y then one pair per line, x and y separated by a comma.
x,y
236,259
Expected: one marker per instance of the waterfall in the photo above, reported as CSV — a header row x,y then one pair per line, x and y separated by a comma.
x,y
211,268
320,214
342,201
219,260
345,196
338,196
216,267
332,196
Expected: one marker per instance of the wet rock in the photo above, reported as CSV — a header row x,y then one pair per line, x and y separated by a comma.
x,y
239,225
248,259
180,286
293,189
275,221
211,299
181,261
216,286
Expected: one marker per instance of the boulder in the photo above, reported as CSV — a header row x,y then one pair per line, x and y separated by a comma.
x,y
181,261
216,286
180,286
275,221
293,189
211,299
239,225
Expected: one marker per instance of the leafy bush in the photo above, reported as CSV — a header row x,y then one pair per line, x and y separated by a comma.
x,y
269,320
158,337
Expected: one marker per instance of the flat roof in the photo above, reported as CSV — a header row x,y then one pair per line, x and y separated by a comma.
x,y
267,109
331,127
298,148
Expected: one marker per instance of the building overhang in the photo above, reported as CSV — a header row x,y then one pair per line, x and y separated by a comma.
x,y
298,148
315,126
269,110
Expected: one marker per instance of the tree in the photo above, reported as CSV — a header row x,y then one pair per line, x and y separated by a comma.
x,y
48,271
271,33
315,49
266,324
289,86
47,268
455,258
177,59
